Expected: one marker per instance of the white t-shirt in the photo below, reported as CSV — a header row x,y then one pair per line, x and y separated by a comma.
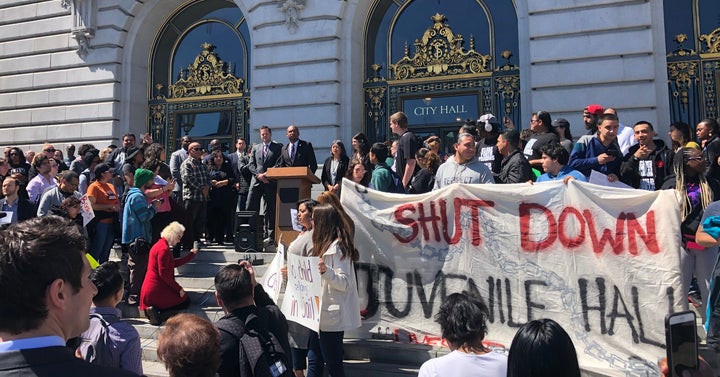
x,y
459,364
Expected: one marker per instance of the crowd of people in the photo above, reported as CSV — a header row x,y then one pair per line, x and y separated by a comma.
x,y
38,324
156,210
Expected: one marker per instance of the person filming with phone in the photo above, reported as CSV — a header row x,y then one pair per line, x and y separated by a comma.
x,y
681,342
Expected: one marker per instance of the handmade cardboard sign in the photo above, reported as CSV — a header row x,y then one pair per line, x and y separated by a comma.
x,y
301,303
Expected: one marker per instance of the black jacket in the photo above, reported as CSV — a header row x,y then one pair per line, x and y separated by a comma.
x,y
515,168
340,173
690,224
711,152
662,166
26,209
229,344
304,156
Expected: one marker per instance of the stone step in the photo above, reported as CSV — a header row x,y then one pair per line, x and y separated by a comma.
x,y
203,304
226,254
353,368
216,254
154,369
201,269
391,352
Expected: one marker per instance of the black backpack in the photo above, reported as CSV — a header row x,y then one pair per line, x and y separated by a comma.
x,y
261,354
95,343
397,186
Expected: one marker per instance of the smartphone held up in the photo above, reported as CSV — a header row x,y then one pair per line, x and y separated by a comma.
x,y
682,342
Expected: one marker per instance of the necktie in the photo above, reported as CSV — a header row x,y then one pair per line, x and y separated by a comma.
x,y
265,150
292,152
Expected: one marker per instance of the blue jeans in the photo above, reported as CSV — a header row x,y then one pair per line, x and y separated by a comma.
x,y
298,358
102,242
326,350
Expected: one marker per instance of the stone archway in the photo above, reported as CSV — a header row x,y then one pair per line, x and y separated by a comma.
x,y
135,89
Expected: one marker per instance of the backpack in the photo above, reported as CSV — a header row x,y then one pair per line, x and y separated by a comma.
x,y
396,186
261,354
95,343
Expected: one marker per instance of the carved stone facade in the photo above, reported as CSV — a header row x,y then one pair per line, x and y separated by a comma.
x,y
83,78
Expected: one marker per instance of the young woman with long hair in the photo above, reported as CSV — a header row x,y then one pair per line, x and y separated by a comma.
x,y
681,136
358,173
424,179
361,150
340,305
298,335
697,191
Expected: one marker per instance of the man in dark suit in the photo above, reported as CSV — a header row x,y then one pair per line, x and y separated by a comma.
x,y
17,208
264,155
297,152
53,304
239,161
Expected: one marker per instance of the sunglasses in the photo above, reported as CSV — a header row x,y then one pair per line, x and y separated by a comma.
x,y
698,158
49,150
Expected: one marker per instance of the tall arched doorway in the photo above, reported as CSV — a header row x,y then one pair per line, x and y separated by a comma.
x,y
199,75
441,63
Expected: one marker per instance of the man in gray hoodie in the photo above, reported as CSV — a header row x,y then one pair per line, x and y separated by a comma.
x,y
463,167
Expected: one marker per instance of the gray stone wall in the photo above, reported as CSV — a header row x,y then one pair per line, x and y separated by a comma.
x,y
578,52
309,71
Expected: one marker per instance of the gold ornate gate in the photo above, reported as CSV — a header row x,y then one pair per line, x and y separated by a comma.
x,y
206,102
694,78
464,82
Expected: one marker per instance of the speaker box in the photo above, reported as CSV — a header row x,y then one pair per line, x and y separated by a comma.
x,y
248,231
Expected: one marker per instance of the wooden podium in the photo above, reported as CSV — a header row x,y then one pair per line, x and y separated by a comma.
x,y
293,184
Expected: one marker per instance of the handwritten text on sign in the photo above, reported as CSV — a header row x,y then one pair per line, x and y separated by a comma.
x,y
272,279
602,262
302,295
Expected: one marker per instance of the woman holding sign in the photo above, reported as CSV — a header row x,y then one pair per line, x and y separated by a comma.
x,y
298,335
340,309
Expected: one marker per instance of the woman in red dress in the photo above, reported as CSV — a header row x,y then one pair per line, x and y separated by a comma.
x,y
161,296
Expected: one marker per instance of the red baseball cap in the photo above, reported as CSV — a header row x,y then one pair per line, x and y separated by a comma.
x,y
594,109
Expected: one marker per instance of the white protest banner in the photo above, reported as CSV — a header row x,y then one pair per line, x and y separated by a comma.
x,y
86,210
301,303
603,262
272,279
